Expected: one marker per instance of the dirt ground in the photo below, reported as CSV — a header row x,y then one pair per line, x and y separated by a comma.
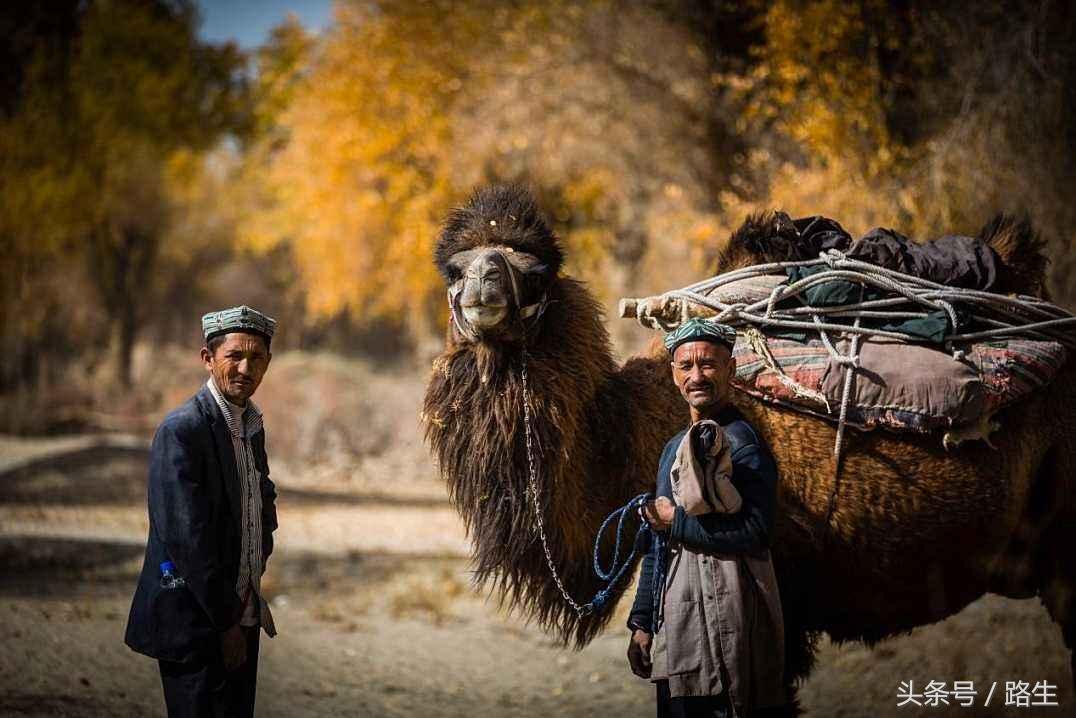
x,y
370,592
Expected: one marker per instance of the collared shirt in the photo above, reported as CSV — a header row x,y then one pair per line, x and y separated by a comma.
x,y
243,423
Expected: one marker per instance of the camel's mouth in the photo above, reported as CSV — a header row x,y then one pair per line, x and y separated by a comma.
x,y
484,316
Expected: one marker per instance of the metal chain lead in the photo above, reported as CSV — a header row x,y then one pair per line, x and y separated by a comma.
x,y
533,490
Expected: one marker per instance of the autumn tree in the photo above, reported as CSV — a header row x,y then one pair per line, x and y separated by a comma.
x,y
36,42
929,117
608,108
352,168
97,124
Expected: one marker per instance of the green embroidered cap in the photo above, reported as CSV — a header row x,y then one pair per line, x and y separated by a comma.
x,y
237,319
700,330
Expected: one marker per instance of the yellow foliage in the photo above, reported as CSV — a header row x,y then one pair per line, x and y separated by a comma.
x,y
822,70
365,155
360,185
589,240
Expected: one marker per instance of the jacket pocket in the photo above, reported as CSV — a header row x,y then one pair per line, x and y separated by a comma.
x,y
684,634
181,629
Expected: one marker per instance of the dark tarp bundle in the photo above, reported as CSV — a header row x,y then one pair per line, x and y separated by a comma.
x,y
806,237
931,328
954,261
818,234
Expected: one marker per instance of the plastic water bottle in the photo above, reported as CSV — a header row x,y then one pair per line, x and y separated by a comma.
x,y
169,579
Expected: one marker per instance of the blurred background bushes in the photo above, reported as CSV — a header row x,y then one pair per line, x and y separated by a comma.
x,y
147,176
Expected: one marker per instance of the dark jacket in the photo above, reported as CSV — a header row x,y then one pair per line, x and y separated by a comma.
x,y
754,474
194,521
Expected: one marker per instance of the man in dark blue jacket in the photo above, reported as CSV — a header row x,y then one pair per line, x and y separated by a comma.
x,y
198,607
725,656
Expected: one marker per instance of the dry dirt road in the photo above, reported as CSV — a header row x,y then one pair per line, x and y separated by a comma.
x,y
376,616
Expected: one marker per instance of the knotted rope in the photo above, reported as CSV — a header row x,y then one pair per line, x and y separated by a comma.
x,y
641,542
1016,315
916,297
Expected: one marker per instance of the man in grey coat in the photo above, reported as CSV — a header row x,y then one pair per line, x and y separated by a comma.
x,y
710,635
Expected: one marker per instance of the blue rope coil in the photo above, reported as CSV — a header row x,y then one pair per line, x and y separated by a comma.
x,y
643,536
657,581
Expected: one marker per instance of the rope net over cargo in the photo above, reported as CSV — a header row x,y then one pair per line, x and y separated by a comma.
x,y
754,300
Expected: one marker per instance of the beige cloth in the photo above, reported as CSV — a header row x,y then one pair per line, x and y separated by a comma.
x,y
705,487
721,623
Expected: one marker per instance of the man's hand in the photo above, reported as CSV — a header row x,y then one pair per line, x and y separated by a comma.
x,y
233,647
639,653
660,513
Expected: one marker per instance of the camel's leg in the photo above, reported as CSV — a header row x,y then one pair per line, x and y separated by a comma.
x,y
1051,503
1058,591
1058,597
799,642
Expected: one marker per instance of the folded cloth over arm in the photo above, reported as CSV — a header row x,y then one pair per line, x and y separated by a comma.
x,y
702,472
698,462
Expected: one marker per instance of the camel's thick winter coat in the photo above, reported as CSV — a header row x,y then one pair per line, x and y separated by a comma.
x,y
916,532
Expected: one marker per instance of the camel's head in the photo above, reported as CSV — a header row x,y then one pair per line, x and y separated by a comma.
x,y
499,258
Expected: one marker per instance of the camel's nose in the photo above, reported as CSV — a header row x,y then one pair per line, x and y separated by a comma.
x,y
484,280
483,300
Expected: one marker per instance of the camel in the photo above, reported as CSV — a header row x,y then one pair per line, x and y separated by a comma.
x,y
916,532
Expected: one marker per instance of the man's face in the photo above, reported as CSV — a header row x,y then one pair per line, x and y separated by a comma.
x,y
703,372
238,365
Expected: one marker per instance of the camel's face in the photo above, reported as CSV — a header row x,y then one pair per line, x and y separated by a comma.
x,y
492,288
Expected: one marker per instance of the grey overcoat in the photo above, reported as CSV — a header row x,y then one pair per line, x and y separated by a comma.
x,y
720,623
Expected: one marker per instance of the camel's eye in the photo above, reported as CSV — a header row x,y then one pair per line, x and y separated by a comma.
x,y
455,269
538,269
535,282
523,262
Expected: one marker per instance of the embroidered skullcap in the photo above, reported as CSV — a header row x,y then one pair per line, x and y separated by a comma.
x,y
700,330
237,319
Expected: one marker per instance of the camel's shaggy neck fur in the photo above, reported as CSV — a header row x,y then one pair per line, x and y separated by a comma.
x,y
476,429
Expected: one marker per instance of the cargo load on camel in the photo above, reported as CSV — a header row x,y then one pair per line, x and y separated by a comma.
x,y
881,332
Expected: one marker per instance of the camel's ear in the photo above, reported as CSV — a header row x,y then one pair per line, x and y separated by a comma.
x,y
1022,252
527,264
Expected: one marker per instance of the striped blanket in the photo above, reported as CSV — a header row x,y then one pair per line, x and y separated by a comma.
x,y
904,387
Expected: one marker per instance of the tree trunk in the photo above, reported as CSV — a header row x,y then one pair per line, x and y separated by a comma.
x,y
124,333
122,268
